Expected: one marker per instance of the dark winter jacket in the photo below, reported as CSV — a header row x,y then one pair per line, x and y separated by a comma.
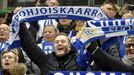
x,y
107,63
50,62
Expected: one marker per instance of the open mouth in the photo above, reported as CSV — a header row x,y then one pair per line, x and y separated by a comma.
x,y
131,51
1,34
6,63
60,48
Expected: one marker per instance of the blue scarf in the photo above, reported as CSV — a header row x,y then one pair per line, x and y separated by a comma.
x,y
61,12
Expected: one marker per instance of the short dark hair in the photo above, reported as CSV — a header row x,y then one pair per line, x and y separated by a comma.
x,y
112,4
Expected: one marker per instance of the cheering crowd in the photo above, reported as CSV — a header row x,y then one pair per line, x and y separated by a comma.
x,y
54,45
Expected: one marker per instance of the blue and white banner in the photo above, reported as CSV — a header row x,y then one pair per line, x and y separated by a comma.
x,y
70,12
60,12
97,29
87,73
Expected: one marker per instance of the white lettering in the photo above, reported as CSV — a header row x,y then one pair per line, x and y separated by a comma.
x,y
112,73
103,73
121,28
129,22
92,23
71,73
58,73
90,73
116,22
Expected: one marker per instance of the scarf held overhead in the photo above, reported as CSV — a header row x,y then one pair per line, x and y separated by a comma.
x,y
98,29
61,12
95,29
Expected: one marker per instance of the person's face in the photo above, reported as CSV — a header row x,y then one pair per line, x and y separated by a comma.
x,y
129,47
65,22
79,24
49,33
1,20
51,3
109,10
62,45
4,32
9,60
128,15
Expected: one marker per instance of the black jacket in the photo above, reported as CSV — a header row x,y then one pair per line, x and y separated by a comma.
x,y
108,63
66,29
47,63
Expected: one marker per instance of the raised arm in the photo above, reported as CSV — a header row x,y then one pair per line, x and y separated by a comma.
x,y
107,62
30,47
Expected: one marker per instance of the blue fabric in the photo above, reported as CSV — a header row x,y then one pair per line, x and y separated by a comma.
x,y
72,33
1,47
83,55
15,44
122,46
1,72
48,47
4,45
